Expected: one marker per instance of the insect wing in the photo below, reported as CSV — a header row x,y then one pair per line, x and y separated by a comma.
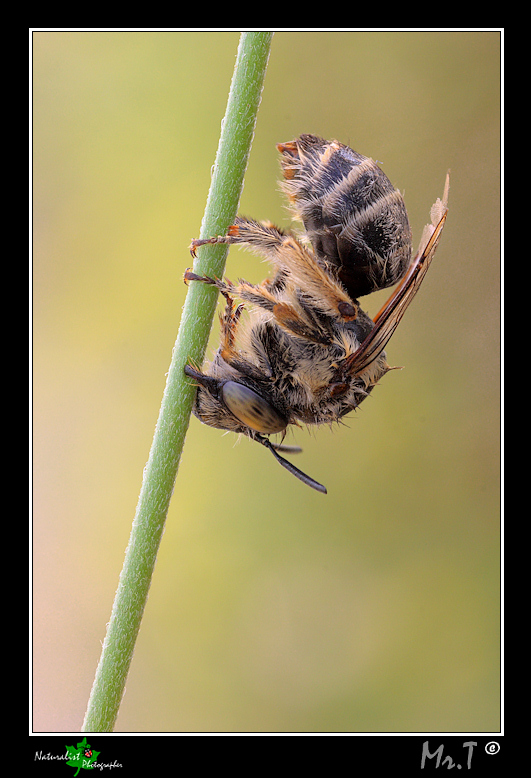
x,y
390,316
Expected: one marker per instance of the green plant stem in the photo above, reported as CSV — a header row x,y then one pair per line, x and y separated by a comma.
x,y
161,469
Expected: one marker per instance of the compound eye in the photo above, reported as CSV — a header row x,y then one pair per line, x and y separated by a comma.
x,y
251,409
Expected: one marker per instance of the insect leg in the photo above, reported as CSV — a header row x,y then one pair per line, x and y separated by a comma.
x,y
298,268
258,294
229,320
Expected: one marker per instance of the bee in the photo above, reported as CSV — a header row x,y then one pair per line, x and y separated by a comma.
x,y
306,353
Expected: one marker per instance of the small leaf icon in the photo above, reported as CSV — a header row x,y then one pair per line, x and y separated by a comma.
x,y
82,756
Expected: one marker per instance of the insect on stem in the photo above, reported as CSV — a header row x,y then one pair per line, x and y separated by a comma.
x,y
307,353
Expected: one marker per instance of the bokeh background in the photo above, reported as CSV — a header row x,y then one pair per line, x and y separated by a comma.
x,y
273,608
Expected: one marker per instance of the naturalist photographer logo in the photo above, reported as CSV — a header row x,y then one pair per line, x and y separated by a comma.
x,y
81,757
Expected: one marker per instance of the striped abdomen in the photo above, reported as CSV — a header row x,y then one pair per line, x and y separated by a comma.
x,y
354,217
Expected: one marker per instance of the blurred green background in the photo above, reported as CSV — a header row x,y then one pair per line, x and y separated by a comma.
x,y
273,608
